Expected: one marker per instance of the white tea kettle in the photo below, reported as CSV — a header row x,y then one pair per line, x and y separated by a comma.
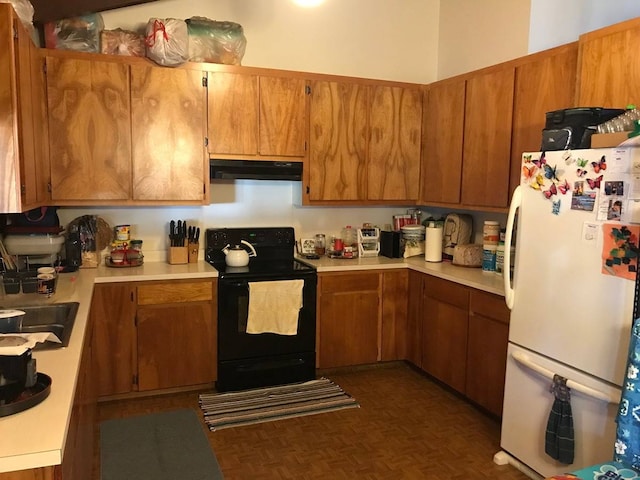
x,y
237,256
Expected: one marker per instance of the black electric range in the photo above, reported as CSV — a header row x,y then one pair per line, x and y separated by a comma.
x,y
257,360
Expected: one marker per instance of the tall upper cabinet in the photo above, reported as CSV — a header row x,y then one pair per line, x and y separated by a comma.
x,y
89,129
168,125
487,137
441,176
22,186
338,141
395,121
608,70
544,82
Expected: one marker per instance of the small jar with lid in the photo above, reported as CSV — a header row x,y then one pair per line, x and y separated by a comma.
x,y
491,232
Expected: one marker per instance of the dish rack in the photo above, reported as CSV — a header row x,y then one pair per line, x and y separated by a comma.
x,y
369,241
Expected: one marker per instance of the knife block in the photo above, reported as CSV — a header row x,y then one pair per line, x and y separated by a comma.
x,y
194,248
178,255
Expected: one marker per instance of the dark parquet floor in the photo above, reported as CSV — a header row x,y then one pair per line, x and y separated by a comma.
x,y
407,428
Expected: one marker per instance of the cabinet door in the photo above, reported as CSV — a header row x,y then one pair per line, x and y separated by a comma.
x,y
414,318
176,345
444,331
168,130
487,350
441,171
113,311
282,117
395,118
609,68
394,315
553,76
19,130
444,342
487,138
338,141
233,113
89,129
348,319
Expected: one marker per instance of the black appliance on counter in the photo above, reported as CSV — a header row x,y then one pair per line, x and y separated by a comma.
x,y
257,360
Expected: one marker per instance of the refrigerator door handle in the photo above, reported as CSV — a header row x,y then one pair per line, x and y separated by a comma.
x,y
524,360
516,202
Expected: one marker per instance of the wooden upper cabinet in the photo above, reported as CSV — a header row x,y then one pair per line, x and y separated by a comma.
x,y
395,123
282,117
609,66
487,138
441,173
256,115
21,135
168,114
89,129
338,141
543,84
233,113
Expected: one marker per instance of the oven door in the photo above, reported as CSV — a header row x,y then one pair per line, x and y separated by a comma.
x,y
250,360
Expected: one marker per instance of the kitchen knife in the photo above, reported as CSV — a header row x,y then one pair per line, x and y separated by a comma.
x,y
172,233
197,235
178,234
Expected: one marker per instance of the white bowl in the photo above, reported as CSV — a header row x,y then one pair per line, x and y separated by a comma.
x,y
35,244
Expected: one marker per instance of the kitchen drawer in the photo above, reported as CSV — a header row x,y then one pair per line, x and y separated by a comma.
x,y
447,292
175,292
351,282
488,305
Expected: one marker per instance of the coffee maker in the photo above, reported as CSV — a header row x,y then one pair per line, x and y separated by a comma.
x,y
17,372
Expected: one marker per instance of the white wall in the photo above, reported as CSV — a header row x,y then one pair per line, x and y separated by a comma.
x,y
479,33
555,23
393,40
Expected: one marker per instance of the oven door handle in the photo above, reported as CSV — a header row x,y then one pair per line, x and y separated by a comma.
x,y
237,284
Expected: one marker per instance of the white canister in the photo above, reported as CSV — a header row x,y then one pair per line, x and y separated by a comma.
x,y
490,232
433,243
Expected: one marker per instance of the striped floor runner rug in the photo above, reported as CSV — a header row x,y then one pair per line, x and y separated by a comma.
x,y
232,409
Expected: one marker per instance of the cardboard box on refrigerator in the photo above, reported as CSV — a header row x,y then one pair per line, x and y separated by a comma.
x,y
605,140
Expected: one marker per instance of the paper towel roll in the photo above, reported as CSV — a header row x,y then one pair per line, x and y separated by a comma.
x,y
433,244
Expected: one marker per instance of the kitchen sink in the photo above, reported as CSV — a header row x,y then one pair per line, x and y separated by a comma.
x,y
57,318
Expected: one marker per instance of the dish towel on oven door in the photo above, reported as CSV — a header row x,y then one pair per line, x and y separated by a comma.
x,y
274,306
559,437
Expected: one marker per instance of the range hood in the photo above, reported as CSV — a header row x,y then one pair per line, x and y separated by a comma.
x,y
255,170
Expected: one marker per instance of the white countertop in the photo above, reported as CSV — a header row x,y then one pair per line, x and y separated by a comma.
x,y
36,437
471,277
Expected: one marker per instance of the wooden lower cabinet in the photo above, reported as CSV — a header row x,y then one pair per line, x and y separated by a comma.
x,y
113,314
362,317
349,306
487,350
393,334
459,336
444,331
154,335
173,353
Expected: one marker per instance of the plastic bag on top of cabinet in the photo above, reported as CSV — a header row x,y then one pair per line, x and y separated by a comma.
x,y
23,9
216,42
167,41
122,42
81,34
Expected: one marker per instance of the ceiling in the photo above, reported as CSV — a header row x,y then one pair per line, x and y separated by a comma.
x,y
46,10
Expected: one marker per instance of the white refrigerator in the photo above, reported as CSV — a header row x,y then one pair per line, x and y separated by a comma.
x,y
571,303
